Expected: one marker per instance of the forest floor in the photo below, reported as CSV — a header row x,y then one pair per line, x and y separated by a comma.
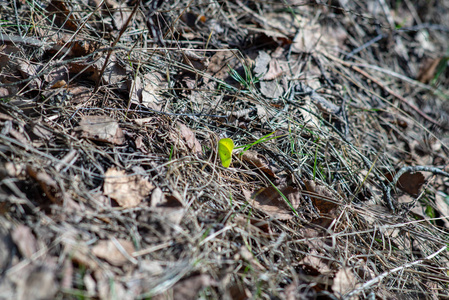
x,y
119,180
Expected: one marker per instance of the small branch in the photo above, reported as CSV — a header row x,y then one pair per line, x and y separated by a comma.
x,y
379,278
385,88
403,170
122,31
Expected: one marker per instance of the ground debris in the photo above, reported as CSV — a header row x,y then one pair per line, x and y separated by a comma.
x,y
111,120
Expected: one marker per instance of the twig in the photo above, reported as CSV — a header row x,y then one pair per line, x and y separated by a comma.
x,y
387,89
122,31
411,170
379,278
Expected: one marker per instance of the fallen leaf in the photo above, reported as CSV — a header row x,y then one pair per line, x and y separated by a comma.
x,y
344,282
153,83
108,250
24,240
190,138
219,66
157,197
315,37
322,198
62,15
28,70
410,183
315,264
225,147
120,16
56,76
135,90
442,205
261,65
427,70
271,89
171,207
257,160
127,191
79,94
39,284
273,204
78,251
188,288
50,187
102,129
274,70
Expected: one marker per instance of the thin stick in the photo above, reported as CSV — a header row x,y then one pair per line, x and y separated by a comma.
x,y
97,86
379,278
387,89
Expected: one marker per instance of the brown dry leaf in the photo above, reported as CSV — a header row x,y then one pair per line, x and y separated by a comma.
x,y
271,89
310,118
42,132
189,288
109,251
114,74
102,129
57,75
78,250
190,138
442,205
273,204
135,90
171,207
157,197
121,16
261,65
312,260
323,199
274,70
28,70
410,183
79,94
315,37
427,70
219,66
49,186
153,82
40,283
24,240
127,191
238,291
344,282
62,15
257,160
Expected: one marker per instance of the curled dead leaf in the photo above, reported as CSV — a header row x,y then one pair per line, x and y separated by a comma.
x,y
258,160
102,129
270,201
109,251
322,198
189,137
410,183
127,191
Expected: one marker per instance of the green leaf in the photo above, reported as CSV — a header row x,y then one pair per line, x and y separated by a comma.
x,y
225,147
